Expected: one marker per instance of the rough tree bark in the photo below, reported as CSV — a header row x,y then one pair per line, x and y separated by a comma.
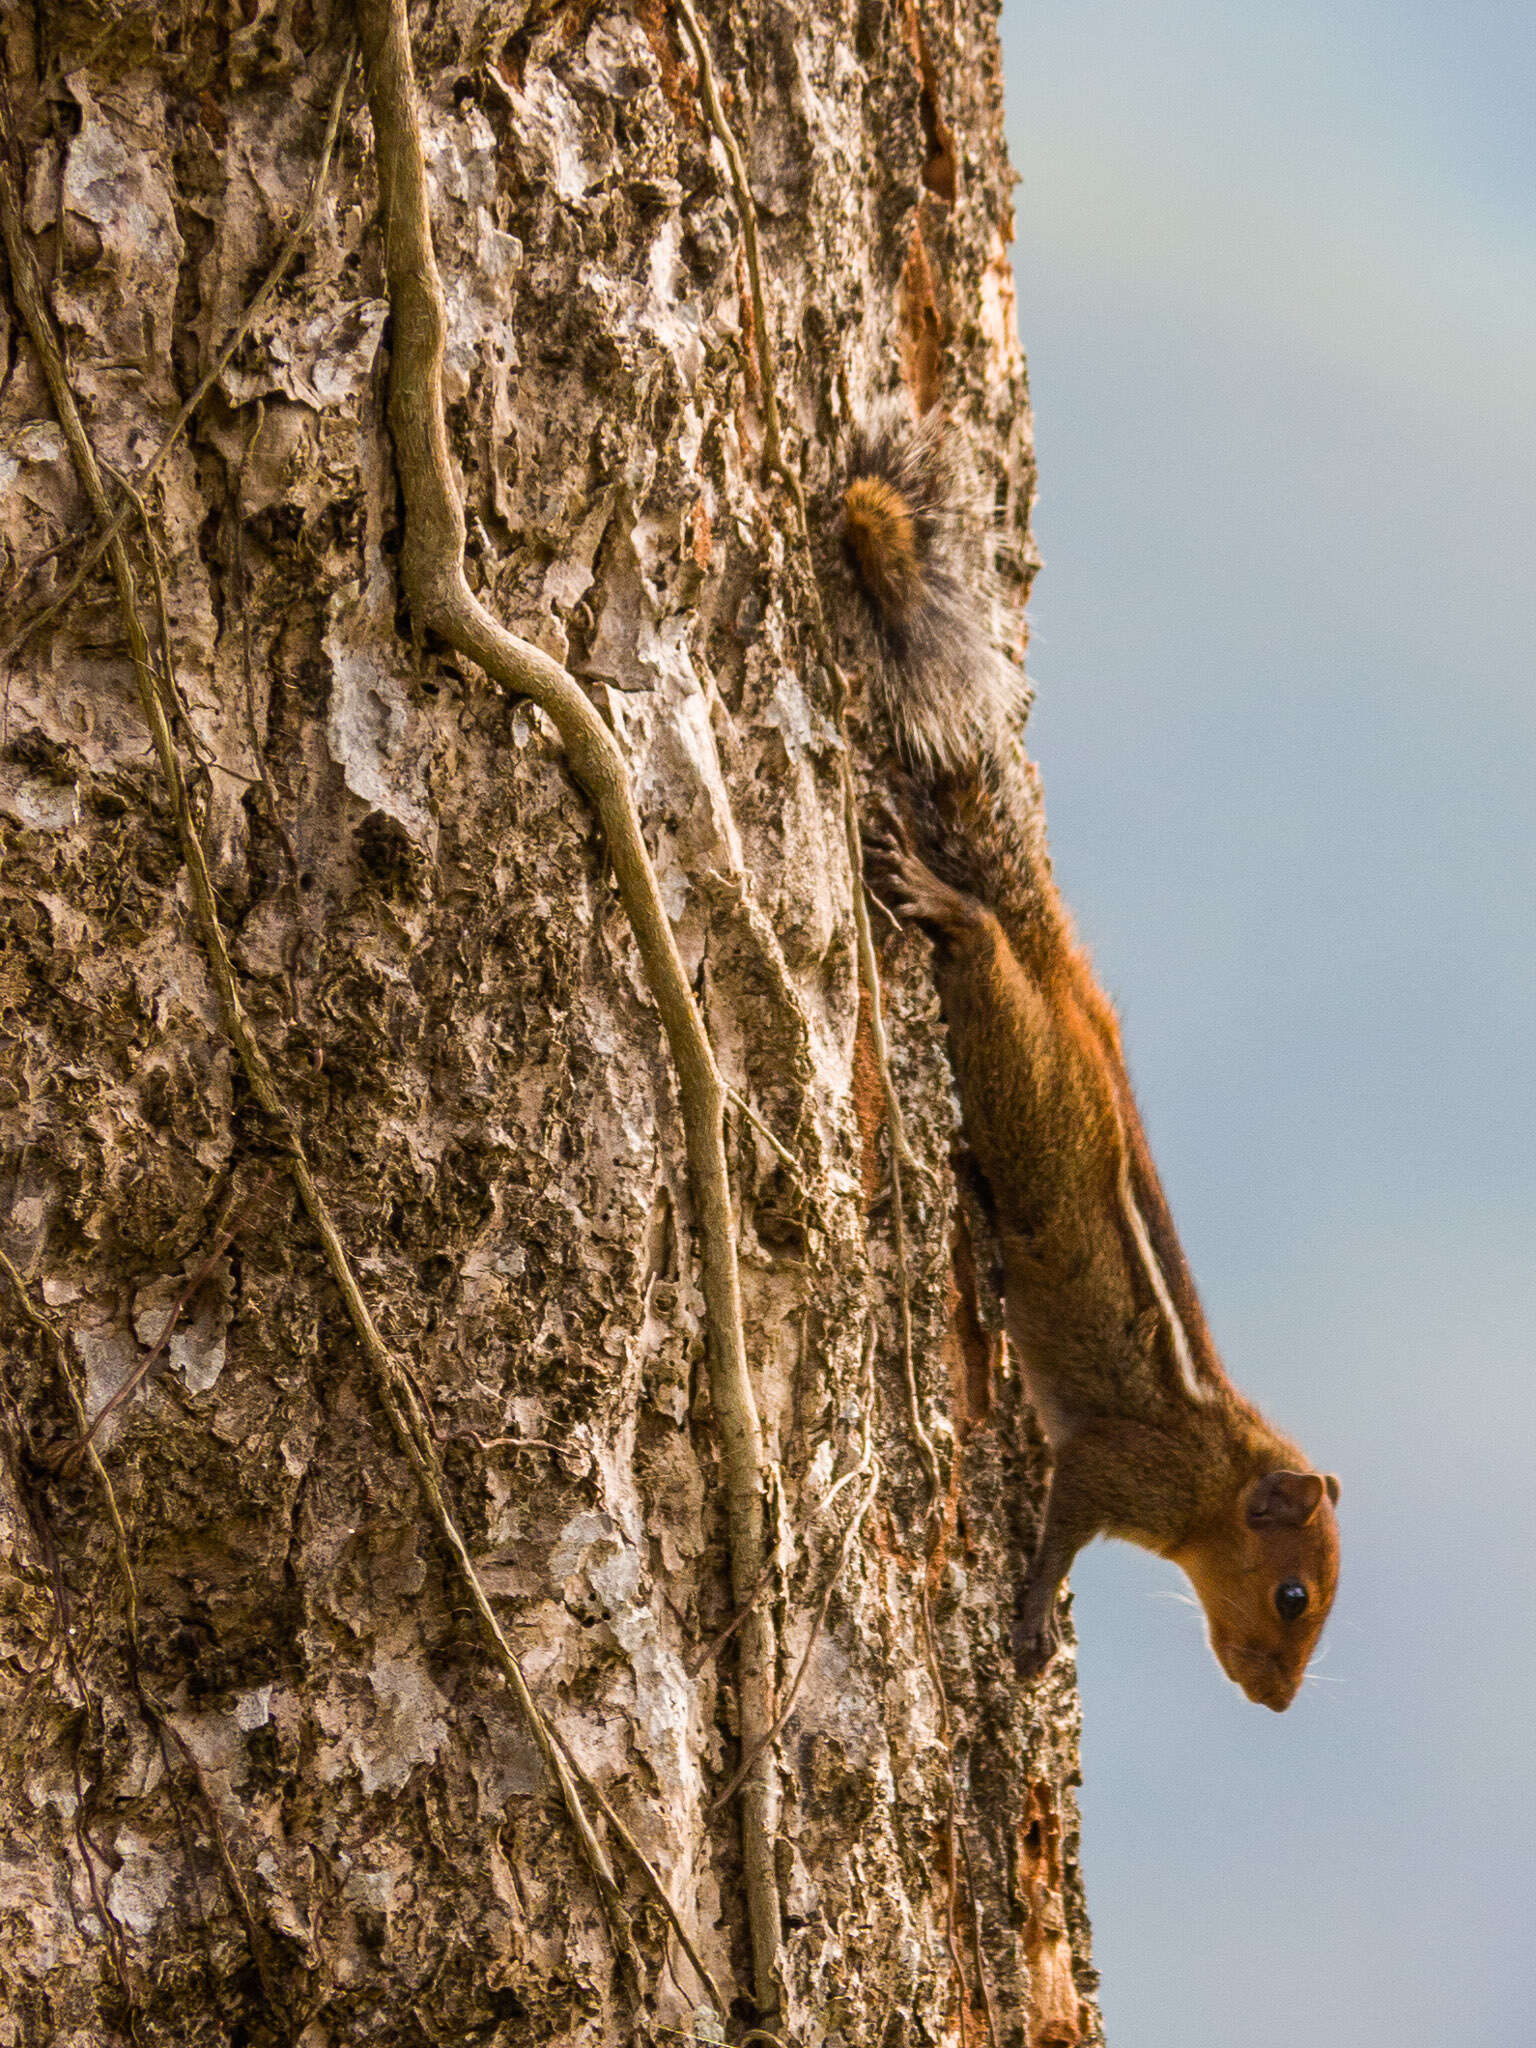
x,y
362,1675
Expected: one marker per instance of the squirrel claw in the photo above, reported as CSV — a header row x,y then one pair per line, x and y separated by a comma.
x,y
1034,1648
885,858
885,849
887,826
906,884
1036,1636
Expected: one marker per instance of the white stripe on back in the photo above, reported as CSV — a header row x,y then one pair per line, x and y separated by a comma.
x,y
1193,1386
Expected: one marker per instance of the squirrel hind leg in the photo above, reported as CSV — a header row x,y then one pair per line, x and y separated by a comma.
x,y
908,886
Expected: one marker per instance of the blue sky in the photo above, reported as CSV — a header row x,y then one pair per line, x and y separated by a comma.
x,y
1277,285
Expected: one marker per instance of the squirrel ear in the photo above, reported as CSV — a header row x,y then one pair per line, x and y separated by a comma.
x,y
1283,1500
1332,1485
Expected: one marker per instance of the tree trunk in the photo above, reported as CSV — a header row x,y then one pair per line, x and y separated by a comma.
x,y
356,1193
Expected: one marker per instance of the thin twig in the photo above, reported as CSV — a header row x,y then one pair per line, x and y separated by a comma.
x,y
951,1815
653,1883
746,211
167,670
792,1691
274,277
717,1643
801,1529
562,1449
868,1463
786,1158
414,1433
976,1948
41,1320
171,1737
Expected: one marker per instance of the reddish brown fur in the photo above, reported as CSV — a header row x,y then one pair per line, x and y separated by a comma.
x,y
1150,1440
1050,1116
882,535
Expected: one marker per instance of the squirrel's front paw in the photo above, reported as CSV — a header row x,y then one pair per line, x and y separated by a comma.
x,y
906,884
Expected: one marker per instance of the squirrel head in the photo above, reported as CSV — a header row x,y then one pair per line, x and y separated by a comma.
x,y
1266,1574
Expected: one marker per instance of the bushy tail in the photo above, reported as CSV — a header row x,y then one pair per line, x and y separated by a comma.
x,y
952,703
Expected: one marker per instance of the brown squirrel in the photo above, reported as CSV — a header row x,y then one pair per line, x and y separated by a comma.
x,y
1149,1439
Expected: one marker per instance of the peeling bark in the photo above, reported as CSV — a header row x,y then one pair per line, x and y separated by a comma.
x,y
262,1776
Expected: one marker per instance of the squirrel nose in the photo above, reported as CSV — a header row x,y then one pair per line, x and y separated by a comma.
x,y
1273,1690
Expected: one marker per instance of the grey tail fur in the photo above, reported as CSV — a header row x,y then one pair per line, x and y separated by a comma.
x,y
952,703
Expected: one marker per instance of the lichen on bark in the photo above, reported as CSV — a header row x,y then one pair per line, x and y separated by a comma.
x,y
259,1779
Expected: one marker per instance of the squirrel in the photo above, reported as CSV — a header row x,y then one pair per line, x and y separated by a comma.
x,y
1149,1440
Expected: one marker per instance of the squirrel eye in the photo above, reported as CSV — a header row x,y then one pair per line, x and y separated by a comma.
x,y
1291,1600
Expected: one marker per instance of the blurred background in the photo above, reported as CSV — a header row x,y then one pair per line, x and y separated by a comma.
x,y
1277,285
